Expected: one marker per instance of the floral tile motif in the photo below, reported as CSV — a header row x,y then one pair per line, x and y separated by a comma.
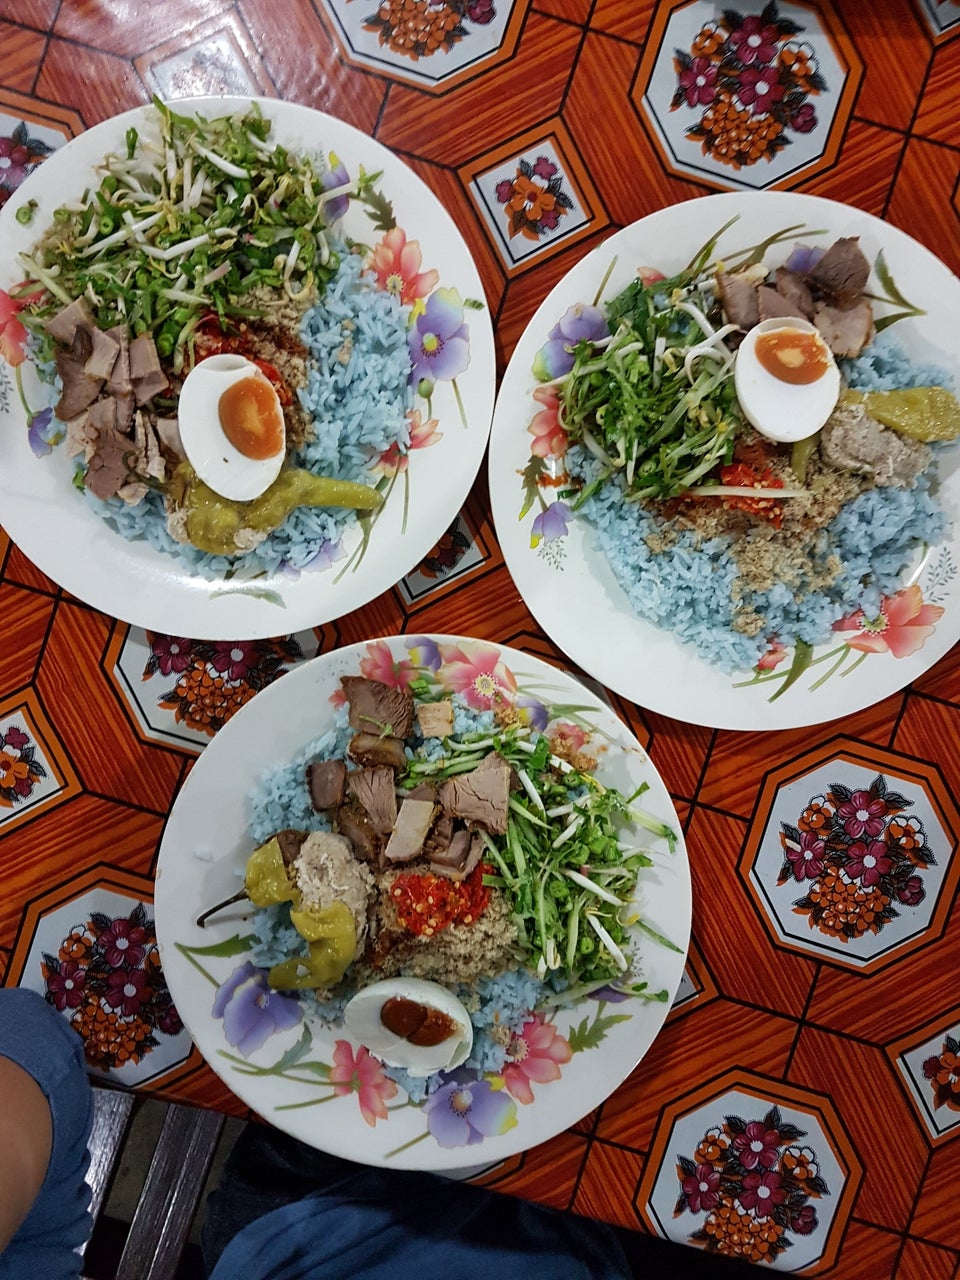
x,y
455,554
851,863
529,203
95,959
426,42
181,691
746,97
23,146
31,776
929,1065
941,16
739,1171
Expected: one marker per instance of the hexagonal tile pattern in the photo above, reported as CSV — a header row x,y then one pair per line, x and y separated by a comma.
x,y
928,1061
180,691
941,16
90,949
431,43
34,773
750,97
751,1171
849,855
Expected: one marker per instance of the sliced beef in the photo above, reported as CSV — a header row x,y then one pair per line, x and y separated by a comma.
x,y
119,384
145,373
796,292
352,821
435,718
63,326
168,433
481,796
842,273
78,390
108,470
773,305
739,297
376,707
440,837
853,441
370,749
103,354
82,433
469,853
376,790
846,332
410,831
423,791
289,841
325,781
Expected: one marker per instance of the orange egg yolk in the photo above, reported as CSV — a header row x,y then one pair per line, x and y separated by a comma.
x,y
793,355
251,418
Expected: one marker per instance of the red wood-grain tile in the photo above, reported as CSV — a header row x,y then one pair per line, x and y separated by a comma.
x,y
570,10
625,19
96,85
924,196
937,110
605,1185
875,1115
304,62
679,751
24,573
889,38
864,169
20,53
928,729
468,121
922,1261
867,1253
129,27
26,616
935,1218
104,748
548,1173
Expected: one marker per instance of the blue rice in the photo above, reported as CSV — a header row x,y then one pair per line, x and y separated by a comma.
x,y
358,409
687,587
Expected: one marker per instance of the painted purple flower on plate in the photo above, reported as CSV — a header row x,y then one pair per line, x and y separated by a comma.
x,y
251,1012
550,524
439,340
465,1112
555,357
336,176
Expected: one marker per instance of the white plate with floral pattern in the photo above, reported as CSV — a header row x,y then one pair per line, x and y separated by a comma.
x,y
324,1088
424,252
568,584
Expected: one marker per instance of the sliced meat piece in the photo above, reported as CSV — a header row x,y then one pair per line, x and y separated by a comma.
x,y
423,791
371,749
103,354
739,297
774,305
82,434
853,441
435,718
376,790
289,841
352,821
794,289
460,872
78,390
145,373
107,470
376,707
481,796
441,834
168,433
134,489
455,854
326,780
846,332
410,831
126,406
842,272
63,326
119,384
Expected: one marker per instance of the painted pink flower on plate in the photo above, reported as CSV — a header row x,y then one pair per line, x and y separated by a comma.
x,y
422,436
757,1146
380,664
397,262
13,335
361,1073
900,628
549,437
534,1057
862,815
474,669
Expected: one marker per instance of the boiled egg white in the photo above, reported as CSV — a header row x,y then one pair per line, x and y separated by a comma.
x,y
786,379
231,426
396,998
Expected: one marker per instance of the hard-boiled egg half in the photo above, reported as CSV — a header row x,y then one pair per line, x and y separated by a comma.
x,y
232,428
786,379
410,1023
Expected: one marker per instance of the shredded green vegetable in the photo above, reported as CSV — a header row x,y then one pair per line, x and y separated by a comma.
x,y
571,882
184,223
